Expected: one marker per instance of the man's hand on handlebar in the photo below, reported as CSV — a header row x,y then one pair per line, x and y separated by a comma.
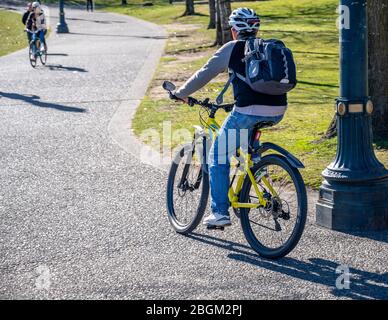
x,y
183,100
170,88
174,97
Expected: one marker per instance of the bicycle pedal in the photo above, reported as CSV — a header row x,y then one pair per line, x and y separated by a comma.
x,y
211,227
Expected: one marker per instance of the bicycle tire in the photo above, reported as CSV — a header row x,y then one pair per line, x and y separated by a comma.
x,y
30,51
43,56
202,179
262,250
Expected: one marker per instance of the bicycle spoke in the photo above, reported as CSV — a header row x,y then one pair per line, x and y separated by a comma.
x,y
261,225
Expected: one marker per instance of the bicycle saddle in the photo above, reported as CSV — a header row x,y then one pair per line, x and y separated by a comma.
x,y
263,124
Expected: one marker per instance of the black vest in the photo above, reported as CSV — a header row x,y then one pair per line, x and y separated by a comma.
x,y
243,94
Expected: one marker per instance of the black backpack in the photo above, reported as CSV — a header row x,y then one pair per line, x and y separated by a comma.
x,y
269,68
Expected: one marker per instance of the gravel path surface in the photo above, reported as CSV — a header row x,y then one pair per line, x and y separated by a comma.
x,y
81,218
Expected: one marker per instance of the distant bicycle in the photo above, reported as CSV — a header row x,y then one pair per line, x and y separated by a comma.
x,y
36,49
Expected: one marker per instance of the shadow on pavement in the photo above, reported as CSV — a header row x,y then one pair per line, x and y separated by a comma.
x,y
363,284
34,100
58,54
59,67
381,236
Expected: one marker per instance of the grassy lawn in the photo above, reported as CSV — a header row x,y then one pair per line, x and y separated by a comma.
x,y
306,26
11,32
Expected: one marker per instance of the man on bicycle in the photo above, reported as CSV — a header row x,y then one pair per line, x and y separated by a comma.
x,y
250,108
36,25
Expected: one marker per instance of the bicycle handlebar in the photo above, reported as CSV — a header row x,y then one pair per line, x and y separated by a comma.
x,y
169,87
212,106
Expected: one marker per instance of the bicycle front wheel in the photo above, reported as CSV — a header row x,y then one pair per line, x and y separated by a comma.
x,y
187,190
274,230
32,53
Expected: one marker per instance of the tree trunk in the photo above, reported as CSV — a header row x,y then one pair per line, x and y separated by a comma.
x,y
223,11
123,2
332,130
212,14
378,65
189,8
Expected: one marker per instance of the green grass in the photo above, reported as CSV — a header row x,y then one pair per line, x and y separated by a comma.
x,y
306,26
11,32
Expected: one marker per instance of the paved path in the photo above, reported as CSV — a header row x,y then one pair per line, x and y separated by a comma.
x,y
80,218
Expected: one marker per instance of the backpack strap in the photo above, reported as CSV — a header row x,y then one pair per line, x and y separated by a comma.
x,y
253,47
240,77
220,97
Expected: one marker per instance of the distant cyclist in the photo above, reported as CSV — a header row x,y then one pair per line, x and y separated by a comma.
x,y
250,108
25,17
36,23
89,4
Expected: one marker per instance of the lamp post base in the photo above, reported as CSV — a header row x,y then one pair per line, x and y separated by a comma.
x,y
361,206
62,28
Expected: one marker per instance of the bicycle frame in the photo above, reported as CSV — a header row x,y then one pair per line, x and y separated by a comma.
x,y
233,193
35,39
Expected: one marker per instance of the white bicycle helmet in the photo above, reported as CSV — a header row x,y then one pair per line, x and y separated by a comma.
x,y
244,20
35,4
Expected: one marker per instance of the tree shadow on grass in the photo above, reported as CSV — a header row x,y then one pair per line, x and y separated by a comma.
x,y
97,21
317,53
192,50
321,11
35,101
198,14
363,284
318,84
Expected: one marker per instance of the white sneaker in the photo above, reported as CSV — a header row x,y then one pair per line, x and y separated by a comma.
x,y
216,219
32,57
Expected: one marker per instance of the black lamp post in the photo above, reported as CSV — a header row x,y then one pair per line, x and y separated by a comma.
x,y
354,194
62,25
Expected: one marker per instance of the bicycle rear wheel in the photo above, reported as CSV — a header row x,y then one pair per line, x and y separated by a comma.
x,y
275,230
31,53
187,190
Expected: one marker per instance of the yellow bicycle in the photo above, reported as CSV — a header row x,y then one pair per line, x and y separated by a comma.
x,y
268,195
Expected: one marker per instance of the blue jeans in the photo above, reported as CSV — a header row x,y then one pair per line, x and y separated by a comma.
x,y
40,35
234,133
